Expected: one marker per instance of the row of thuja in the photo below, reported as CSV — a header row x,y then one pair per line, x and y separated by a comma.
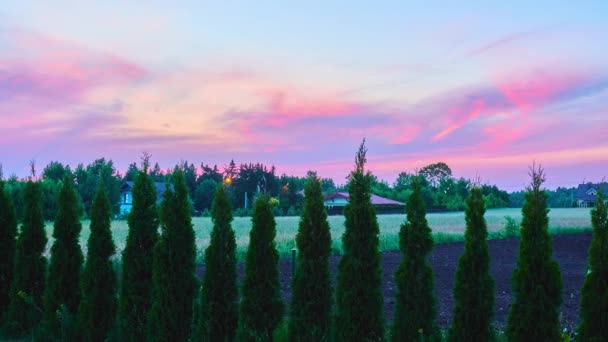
x,y
159,298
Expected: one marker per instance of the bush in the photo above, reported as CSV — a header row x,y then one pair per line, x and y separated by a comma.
x,y
510,227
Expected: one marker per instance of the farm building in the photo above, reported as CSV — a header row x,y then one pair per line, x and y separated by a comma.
x,y
336,202
126,195
586,194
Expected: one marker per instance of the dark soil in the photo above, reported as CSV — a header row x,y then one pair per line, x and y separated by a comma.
x,y
569,250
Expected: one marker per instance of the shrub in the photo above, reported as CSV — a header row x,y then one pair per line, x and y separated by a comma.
x,y
415,303
474,287
311,285
8,232
510,227
594,295
536,280
261,306
359,302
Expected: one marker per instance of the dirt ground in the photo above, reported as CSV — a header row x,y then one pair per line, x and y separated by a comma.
x,y
570,251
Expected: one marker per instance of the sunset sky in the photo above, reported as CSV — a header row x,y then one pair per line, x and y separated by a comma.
x,y
488,90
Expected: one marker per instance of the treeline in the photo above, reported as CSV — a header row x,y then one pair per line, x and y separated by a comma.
x,y
160,299
441,191
558,198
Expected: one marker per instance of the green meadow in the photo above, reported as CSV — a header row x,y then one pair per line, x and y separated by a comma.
x,y
447,227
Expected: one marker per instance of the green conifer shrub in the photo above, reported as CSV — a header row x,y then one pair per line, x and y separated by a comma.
x,y
536,281
8,233
261,305
25,307
135,292
474,287
311,285
415,302
594,295
219,293
173,281
359,302
63,281
97,313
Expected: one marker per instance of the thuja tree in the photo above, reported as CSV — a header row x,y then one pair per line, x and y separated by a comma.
x,y
474,288
98,284
415,303
261,305
594,295
219,306
173,282
359,302
135,293
63,282
8,232
311,286
536,280
25,308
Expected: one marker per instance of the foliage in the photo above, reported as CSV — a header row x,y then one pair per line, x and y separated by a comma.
x,y
203,196
135,295
88,178
536,280
173,282
594,294
8,232
436,172
359,302
56,171
28,285
63,282
510,227
311,285
98,305
261,306
415,303
474,287
219,302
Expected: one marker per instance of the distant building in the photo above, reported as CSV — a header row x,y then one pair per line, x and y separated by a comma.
x,y
586,194
126,195
336,202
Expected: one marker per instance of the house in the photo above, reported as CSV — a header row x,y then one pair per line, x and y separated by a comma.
x,y
126,195
336,202
586,194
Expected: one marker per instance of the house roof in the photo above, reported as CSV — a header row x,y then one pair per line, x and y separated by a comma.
x,y
375,199
586,191
160,188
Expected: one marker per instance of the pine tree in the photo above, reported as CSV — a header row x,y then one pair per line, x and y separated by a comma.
x,y
219,293
98,305
415,303
135,293
8,232
594,295
311,285
173,282
474,288
536,280
24,311
359,301
261,304
63,281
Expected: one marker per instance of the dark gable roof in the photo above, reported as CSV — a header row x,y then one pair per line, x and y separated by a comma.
x,y
583,189
376,200
160,188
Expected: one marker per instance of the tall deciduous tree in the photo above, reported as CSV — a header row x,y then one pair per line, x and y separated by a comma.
x,y
415,303
24,310
359,299
135,294
173,282
536,280
219,294
311,296
8,232
594,295
97,311
474,288
261,305
63,282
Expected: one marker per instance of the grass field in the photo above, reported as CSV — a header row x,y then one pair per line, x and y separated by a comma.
x,y
446,227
